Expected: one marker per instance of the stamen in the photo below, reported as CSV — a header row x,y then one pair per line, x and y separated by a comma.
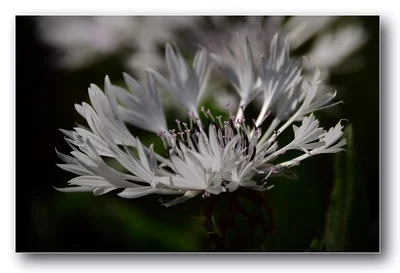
x,y
228,106
161,133
220,121
220,138
233,125
191,117
225,131
204,112
179,124
210,115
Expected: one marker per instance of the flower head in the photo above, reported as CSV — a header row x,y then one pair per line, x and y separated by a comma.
x,y
205,154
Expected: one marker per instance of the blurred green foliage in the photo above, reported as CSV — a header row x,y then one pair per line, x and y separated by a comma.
x,y
125,225
346,227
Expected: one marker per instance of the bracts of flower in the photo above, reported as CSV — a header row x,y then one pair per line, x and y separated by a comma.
x,y
206,154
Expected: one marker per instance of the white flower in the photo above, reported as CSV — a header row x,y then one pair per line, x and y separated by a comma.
x,y
307,133
185,84
237,65
329,138
205,155
330,45
279,74
141,108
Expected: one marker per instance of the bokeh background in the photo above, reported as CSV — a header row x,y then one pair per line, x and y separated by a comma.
x,y
331,204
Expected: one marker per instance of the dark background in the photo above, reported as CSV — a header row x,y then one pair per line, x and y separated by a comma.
x,y
47,220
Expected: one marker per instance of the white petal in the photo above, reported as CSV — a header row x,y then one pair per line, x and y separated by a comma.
x,y
74,189
136,192
188,195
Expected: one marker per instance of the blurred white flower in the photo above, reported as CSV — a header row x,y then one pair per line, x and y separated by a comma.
x,y
205,154
301,29
331,48
83,40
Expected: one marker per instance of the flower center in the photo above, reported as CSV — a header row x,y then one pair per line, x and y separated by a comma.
x,y
224,131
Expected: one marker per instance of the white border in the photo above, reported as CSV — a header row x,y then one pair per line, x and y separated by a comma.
x,y
387,261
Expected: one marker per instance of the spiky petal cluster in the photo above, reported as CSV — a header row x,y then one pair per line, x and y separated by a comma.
x,y
201,157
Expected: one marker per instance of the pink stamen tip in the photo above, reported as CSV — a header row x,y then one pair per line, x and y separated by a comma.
x,y
206,194
228,105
